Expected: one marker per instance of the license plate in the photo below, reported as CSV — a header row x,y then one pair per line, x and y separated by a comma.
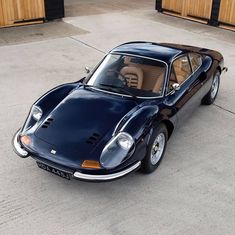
x,y
54,170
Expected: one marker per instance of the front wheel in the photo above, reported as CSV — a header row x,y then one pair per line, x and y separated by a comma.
x,y
211,95
156,149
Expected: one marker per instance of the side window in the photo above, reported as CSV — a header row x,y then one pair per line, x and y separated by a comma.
x,y
196,61
182,69
172,80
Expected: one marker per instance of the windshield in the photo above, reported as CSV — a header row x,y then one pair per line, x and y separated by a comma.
x,y
129,75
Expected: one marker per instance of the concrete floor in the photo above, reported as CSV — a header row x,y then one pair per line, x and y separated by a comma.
x,y
192,192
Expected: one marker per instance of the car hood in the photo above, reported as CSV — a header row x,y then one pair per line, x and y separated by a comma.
x,y
80,126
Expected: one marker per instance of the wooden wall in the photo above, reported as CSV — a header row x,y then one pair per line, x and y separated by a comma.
x,y
199,8
15,12
213,12
227,12
173,5
189,8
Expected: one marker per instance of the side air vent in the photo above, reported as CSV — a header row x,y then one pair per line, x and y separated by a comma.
x,y
47,123
93,138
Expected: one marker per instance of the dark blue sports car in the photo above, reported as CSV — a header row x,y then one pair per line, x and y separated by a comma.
x,y
118,119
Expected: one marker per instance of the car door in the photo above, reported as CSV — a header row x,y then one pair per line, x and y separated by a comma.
x,y
187,73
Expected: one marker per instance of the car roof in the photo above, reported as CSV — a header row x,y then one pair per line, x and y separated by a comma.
x,y
150,50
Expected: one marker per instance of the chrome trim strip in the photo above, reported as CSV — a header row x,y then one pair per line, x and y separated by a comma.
x,y
17,147
140,56
113,176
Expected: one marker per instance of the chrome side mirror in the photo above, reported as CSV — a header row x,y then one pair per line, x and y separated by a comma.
x,y
176,86
87,69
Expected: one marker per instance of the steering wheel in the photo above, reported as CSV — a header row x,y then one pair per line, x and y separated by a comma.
x,y
122,77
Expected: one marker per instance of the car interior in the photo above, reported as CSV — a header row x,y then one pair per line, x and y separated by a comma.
x,y
182,69
143,76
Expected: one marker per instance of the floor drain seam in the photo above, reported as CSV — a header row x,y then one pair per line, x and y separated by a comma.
x,y
88,45
227,110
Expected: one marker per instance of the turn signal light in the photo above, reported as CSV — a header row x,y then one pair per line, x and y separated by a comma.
x,y
91,164
25,139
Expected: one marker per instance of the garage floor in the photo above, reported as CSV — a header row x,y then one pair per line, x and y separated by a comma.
x,y
192,192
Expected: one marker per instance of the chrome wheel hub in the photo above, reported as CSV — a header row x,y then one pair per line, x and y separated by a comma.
x,y
215,86
158,148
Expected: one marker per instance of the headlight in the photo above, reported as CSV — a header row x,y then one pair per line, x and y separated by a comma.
x,y
116,150
125,140
36,113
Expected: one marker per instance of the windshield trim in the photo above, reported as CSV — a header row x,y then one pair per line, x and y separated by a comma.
x,y
138,97
124,95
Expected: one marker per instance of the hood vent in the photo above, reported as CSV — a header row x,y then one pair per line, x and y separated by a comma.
x,y
93,138
47,123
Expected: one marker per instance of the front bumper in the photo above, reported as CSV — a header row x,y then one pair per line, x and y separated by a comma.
x,y
107,177
20,151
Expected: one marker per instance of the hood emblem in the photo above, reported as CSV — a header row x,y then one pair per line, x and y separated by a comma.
x,y
53,151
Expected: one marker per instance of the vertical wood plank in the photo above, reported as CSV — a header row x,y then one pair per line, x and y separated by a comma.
x,y
173,5
2,21
227,12
199,8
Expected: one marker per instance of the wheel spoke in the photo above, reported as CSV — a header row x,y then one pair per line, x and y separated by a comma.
x,y
214,87
157,148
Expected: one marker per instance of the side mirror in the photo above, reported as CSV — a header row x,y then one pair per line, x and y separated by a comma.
x,y
87,69
176,86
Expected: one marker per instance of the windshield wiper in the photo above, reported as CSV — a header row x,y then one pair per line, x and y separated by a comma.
x,y
119,88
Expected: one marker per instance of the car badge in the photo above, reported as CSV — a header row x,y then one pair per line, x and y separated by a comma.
x,y
53,151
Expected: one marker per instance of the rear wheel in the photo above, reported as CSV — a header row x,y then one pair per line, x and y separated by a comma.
x,y
211,95
156,149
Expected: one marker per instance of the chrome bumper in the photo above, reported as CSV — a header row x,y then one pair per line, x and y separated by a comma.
x,y
17,147
108,177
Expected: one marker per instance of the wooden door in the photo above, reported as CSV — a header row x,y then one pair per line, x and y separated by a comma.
x,y
191,8
2,20
227,12
173,5
199,8
20,11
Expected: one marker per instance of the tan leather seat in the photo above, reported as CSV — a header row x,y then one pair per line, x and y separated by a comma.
x,y
179,72
182,70
153,77
159,84
133,75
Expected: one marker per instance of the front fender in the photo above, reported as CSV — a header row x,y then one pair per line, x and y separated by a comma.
x,y
49,101
53,97
140,121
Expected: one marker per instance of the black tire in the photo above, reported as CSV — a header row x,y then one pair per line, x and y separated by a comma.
x,y
147,165
210,97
